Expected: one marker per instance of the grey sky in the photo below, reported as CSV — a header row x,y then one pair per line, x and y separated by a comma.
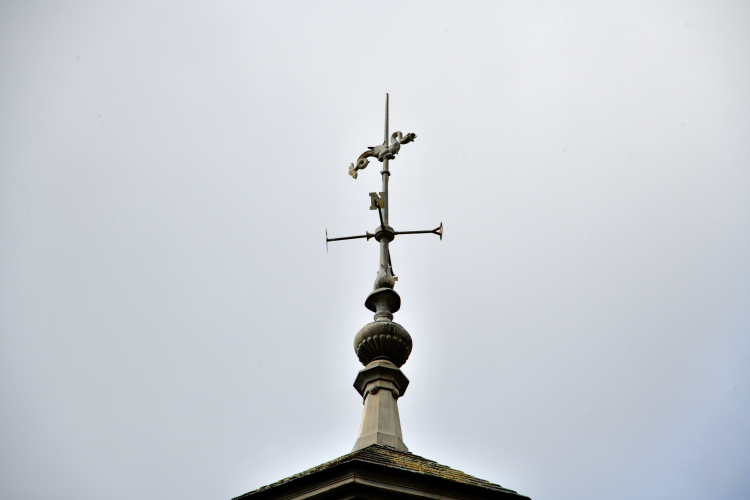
x,y
172,327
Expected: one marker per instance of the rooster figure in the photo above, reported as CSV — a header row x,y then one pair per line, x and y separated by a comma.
x,y
382,152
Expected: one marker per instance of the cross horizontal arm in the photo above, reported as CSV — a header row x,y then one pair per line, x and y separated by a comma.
x,y
368,236
438,230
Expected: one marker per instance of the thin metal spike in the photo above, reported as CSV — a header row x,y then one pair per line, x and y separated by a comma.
x,y
385,139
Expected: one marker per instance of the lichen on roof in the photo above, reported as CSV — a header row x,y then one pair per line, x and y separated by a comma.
x,y
396,459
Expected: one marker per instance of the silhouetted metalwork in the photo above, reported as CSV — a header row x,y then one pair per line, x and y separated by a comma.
x,y
384,153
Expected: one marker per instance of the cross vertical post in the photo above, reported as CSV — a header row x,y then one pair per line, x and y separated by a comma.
x,y
386,174
385,274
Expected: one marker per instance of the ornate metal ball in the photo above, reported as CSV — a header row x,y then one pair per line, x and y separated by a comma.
x,y
385,340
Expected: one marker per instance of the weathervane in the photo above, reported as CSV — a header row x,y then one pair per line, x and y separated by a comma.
x,y
382,346
379,201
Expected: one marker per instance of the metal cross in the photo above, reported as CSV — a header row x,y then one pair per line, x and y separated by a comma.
x,y
384,233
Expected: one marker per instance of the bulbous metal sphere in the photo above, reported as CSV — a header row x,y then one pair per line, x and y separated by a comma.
x,y
384,340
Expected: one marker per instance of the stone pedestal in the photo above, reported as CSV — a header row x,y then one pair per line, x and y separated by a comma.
x,y
381,383
382,346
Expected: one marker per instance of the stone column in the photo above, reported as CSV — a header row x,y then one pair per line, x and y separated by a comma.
x,y
381,383
383,347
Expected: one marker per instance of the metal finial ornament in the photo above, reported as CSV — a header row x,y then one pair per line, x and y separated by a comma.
x,y
382,346
385,151
382,152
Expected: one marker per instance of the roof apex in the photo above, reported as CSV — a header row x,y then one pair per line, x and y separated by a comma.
x,y
388,457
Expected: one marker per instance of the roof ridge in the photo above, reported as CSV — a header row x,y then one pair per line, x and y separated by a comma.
x,y
392,457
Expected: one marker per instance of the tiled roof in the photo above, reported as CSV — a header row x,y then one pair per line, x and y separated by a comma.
x,y
395,459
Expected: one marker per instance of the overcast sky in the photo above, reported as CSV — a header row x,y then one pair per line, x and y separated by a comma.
x,y
171,325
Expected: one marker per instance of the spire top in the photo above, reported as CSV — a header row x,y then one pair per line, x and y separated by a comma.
x,y
382,346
